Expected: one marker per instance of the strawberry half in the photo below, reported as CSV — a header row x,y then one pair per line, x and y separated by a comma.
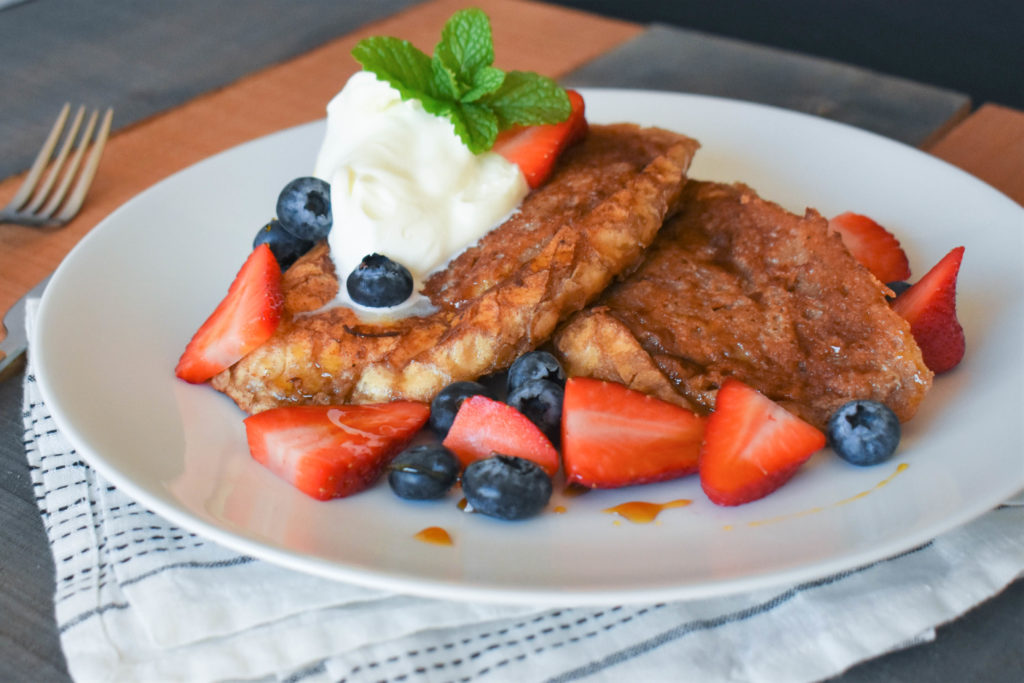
x,y
484,426
243,320
333,451
535,149
930,308
752,446
873,246
613,436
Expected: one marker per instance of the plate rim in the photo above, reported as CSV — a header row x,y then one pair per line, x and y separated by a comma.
x,y
459,589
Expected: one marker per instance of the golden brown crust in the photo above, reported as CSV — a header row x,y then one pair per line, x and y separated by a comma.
x,y
735,286
505,296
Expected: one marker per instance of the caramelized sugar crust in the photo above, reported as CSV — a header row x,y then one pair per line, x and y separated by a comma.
x,y
603,206
736,286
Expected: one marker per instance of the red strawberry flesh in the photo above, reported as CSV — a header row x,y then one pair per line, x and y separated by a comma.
x,y
333,451
535,149
752,446
244,319
930,308
613,436
483,427
873,246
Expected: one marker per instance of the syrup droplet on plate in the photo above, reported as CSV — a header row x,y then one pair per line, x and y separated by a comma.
x,y
435,535
641,512
846,501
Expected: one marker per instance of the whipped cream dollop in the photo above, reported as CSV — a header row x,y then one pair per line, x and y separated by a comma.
x,y
403,184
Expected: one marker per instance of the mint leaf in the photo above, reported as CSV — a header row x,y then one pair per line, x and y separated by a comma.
x,y
402,65
460,83
476,125
438,107
485,81
395,60
528,99
445,81
466,44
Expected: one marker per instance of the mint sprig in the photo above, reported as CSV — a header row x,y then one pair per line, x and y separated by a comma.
x,y
461,84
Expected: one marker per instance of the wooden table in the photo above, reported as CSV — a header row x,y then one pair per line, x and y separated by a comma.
x,y
989,143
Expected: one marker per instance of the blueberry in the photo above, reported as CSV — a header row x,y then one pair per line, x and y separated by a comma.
x,y
506,487
535,365
423,472
897,287
378,282
863,432
304,208
285,246
448,400
541,401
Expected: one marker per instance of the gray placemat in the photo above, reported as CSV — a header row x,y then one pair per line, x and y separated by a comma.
x,y
142,57
670,58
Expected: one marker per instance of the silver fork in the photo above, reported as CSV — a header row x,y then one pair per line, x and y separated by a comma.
x,y
27,206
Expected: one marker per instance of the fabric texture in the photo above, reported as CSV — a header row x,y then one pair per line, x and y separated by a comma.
x,y
138,598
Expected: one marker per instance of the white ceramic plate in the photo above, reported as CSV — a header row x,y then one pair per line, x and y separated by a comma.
x,y
122,306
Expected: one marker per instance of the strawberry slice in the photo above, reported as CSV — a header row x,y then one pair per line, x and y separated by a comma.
x,y
484,426
333,451
873,246
752,446
930,308
535,149
243,320
613,436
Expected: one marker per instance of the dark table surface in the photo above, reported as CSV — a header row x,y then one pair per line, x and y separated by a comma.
x,y
906,39
971,47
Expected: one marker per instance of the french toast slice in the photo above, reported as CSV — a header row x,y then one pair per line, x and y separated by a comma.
x,y
504,296
736,286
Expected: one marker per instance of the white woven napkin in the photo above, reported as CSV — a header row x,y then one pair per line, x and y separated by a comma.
x,y
140,599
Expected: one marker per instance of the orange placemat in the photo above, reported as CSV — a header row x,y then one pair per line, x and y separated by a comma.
x,y
527,35
989,145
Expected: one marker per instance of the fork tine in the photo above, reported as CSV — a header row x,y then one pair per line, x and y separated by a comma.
x,y
72,168
58,162
25,191
91,163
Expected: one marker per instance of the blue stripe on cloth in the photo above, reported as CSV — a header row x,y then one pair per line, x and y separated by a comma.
x,y
682,630
86,616
96,611
317,669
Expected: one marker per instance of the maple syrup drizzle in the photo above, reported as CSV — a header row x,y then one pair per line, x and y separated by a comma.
x,y
642,512
435,535
803,513
899,468
781,518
